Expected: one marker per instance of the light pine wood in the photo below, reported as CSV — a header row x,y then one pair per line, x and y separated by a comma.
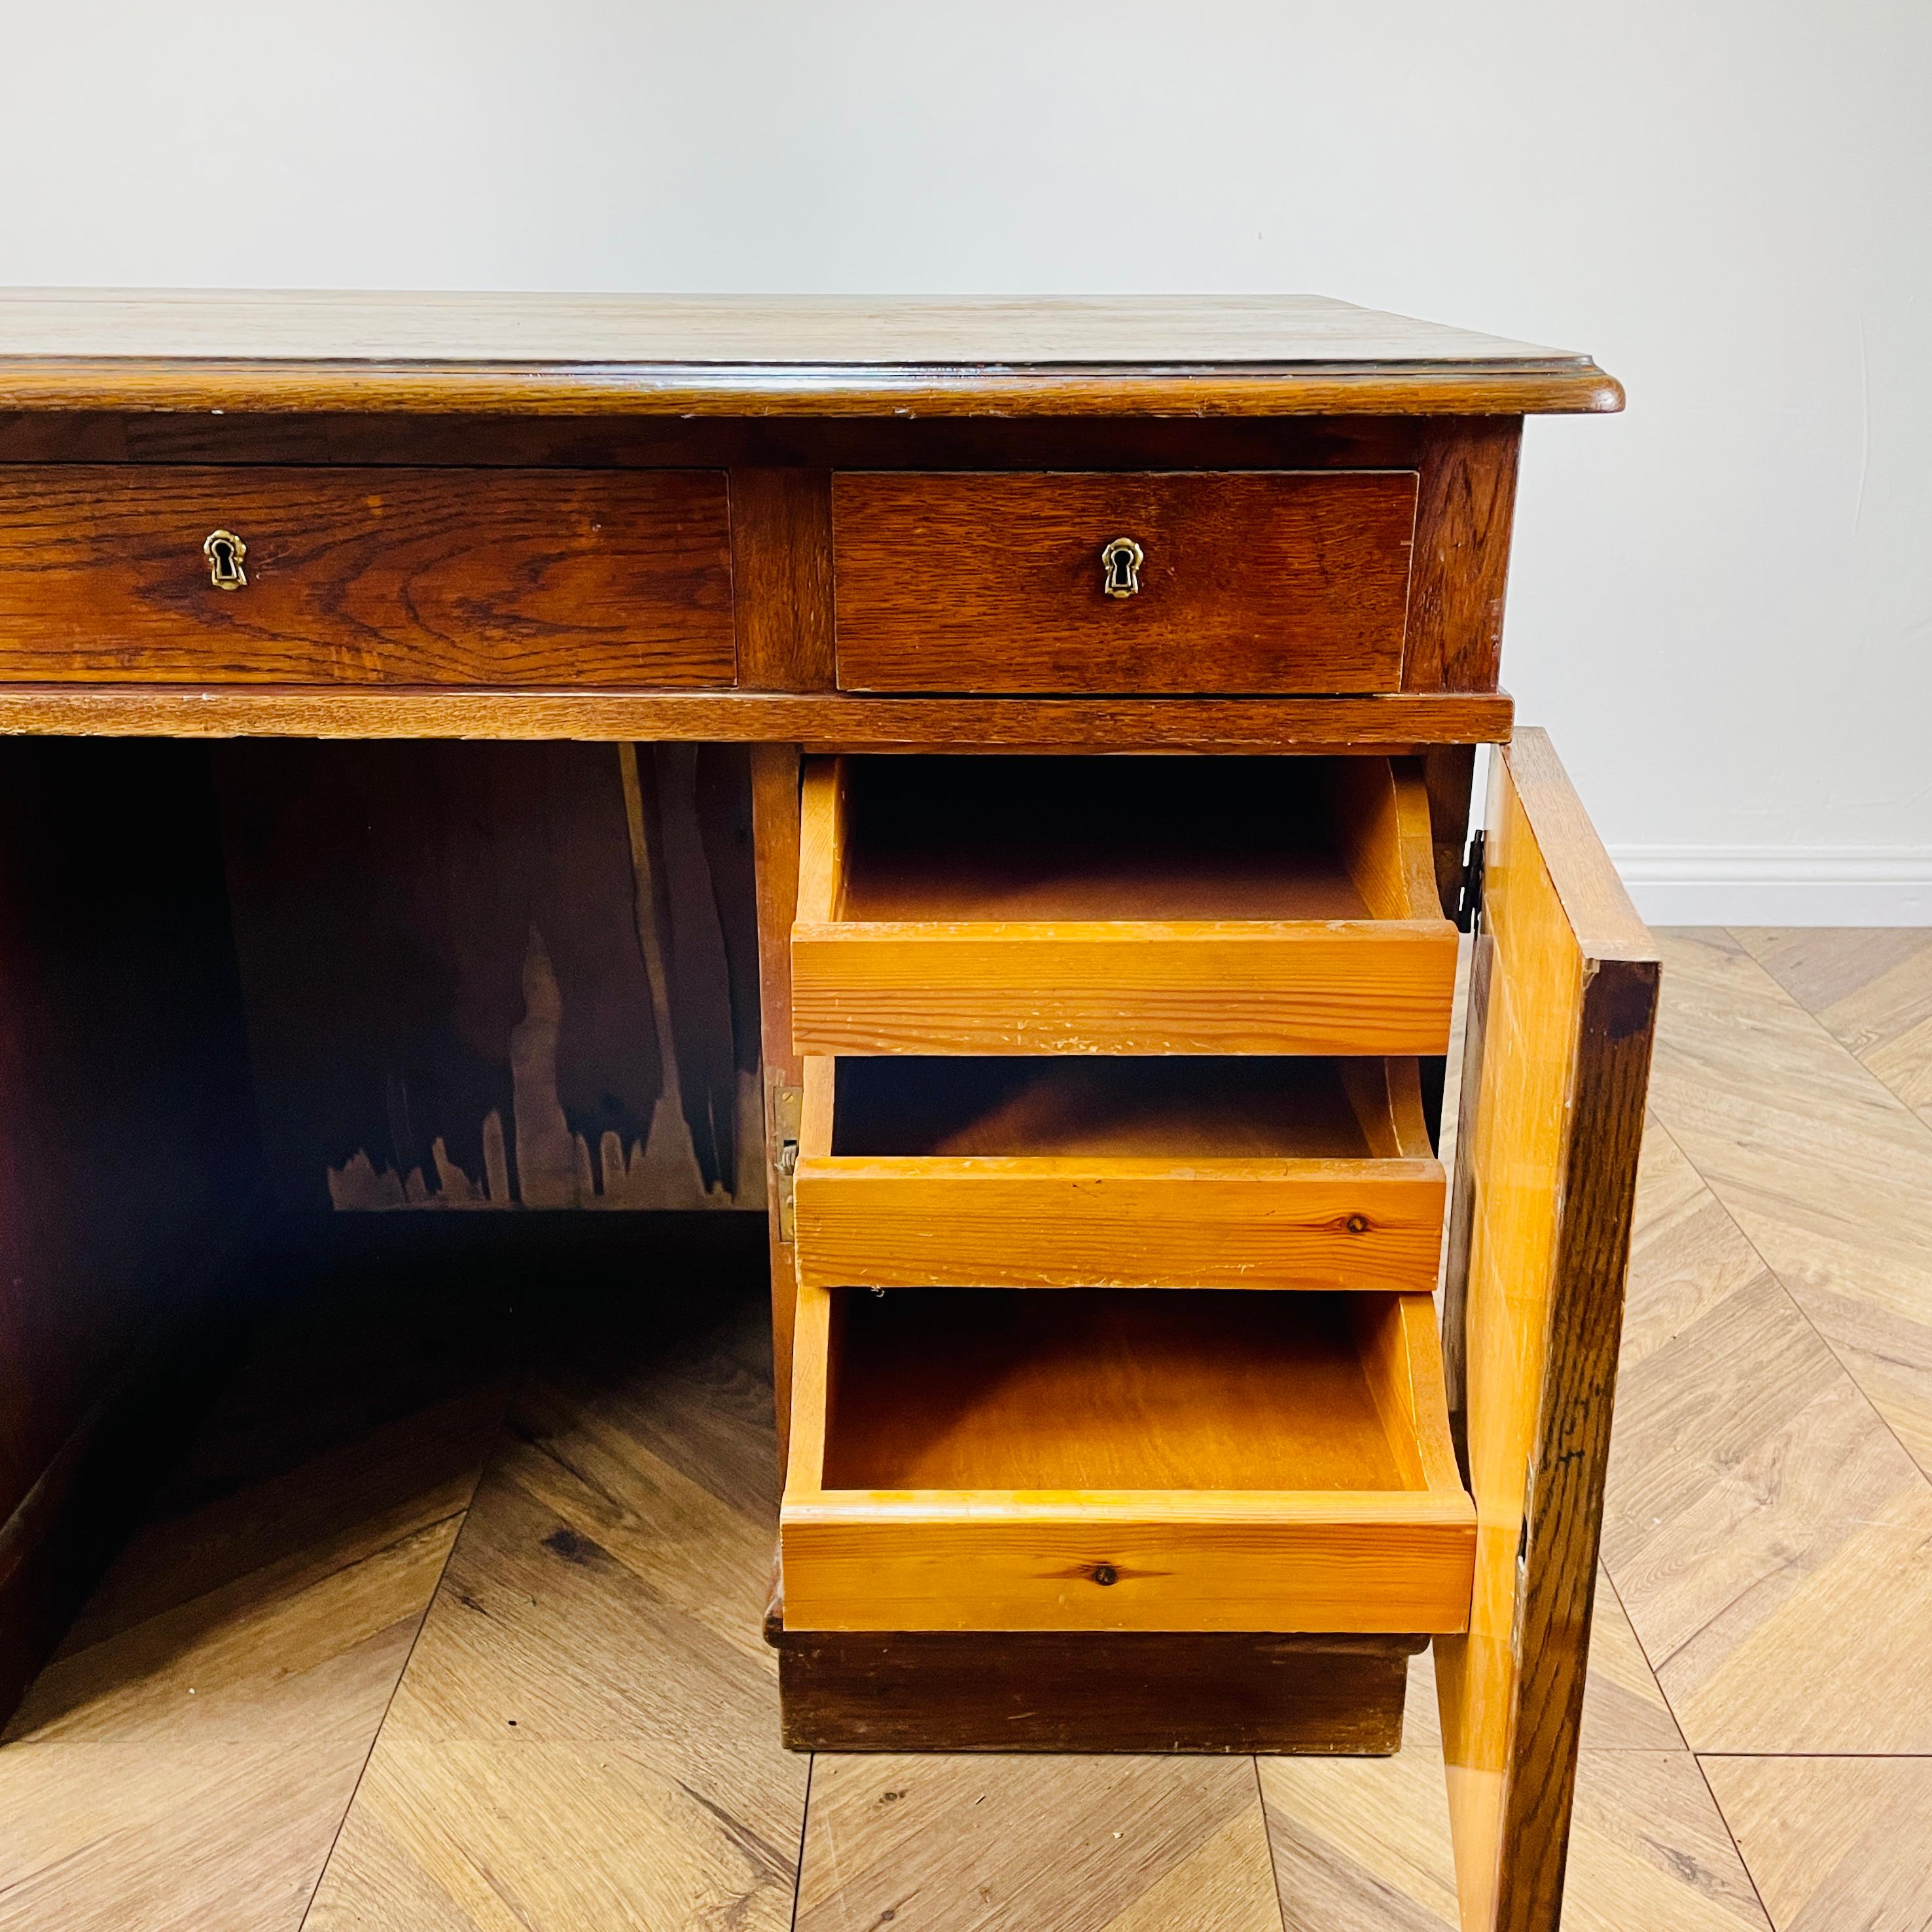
x,y
966,1559
1402,1362
757,354
241,325
1072,1223
1128,986
1304,938
1112,1173
1379,811
1552,1128
961,1524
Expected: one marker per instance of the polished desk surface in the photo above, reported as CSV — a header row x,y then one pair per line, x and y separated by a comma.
x,y
1112,355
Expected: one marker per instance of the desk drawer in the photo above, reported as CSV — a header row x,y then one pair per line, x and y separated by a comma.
x,y
972,905
1282,581
972,1460
413,577
1127,1172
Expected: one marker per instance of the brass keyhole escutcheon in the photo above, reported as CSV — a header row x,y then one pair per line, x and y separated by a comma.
x,y
1120,568
224,551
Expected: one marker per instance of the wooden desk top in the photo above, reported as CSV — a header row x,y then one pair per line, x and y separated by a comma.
x,y
119,350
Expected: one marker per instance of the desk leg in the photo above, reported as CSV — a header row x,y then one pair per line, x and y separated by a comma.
x,y
1552,1117
775,781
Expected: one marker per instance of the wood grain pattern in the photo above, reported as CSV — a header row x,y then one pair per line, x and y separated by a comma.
x,y
1552,1153
1048,906
186,1759
781,579
1015,1476
1364,1845
1871,989
588,1724
1212,1692
1288,581
738,355
1114,1172
1832,1842
1765,1528
1137,1844
1392,722
1789,1160
1466,510
498,976
367,576
775,838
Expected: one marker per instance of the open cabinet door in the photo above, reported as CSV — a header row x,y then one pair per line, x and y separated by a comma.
x,y
1562,1003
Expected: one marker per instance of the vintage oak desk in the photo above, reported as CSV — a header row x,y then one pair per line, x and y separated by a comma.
x,y
1113,670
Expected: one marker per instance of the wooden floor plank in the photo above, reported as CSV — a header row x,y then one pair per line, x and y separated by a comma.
x,y
186,1759
1835,1844
1010,1844
1766,1532
587,1735
1872,988
1362,1844
1828,1172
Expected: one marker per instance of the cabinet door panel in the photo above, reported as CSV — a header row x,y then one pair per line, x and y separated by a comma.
x,y
1555,1069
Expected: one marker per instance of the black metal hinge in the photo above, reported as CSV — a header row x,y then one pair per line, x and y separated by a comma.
x,y
1469,900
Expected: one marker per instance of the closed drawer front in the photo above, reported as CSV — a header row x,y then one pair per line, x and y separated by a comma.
x,y
1119,905
1122,1460
1281,581
1139,1173
422,577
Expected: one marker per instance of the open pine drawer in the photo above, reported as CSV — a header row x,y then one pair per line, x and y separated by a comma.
x,y
1136,905
1135,1171
1115,1460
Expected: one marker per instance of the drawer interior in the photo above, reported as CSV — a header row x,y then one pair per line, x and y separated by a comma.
x,y
1032,838
1176,1107
1115,1389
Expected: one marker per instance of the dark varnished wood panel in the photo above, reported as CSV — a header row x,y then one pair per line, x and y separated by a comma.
x,y
1287,580
782,578
459,441
521,976
367,577
774,841
1115,1691
1393,724
1464,515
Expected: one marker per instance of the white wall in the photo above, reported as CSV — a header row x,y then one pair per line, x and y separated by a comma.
x,y
1722,601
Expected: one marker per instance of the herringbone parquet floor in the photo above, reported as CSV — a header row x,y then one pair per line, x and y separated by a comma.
x,y
415,1644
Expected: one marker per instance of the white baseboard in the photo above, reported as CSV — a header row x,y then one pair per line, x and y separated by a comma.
x,y
1779,885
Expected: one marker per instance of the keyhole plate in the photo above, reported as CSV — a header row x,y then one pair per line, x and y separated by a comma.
x,y
224,551
1120,568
